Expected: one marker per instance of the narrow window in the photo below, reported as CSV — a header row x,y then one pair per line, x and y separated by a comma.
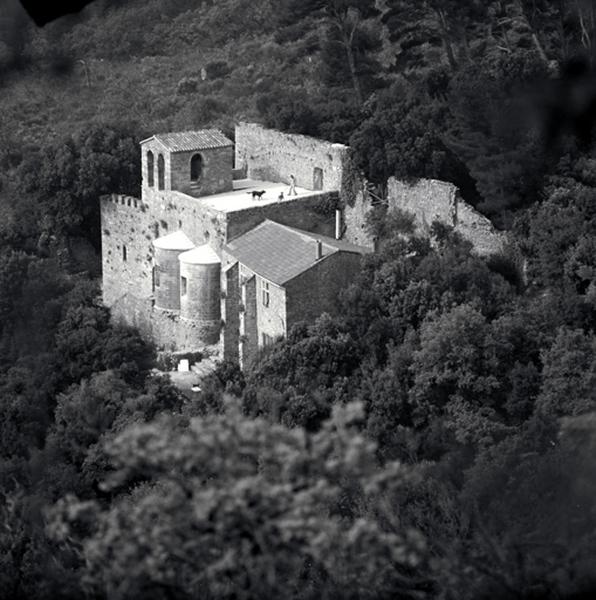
x,y
150,179
124,253
265,294
318,178
183,286
155,277
196,167
267,339
161,176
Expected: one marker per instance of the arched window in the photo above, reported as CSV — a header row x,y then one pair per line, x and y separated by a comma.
x,y
161,167
196,167
150,168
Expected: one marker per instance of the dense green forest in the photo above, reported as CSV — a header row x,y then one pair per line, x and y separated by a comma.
x,y
434,441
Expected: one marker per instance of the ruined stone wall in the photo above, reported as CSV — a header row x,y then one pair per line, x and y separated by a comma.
x,y
432,200
427,199
476,228
354,221
316,291
270,155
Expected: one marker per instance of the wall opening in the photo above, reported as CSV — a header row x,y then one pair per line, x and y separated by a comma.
x,y
161,175
124,253
196,167
155,277
183,286
267,340
317,179
150,178
265,294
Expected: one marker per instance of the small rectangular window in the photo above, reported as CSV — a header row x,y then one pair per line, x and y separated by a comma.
x,y
183,286
265,290
124,253
267,339
156,277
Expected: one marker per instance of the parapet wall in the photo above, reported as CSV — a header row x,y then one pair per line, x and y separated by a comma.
x,y
432,200
270,155
311,213
126,236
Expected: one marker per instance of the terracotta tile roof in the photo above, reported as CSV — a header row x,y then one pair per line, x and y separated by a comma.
x,y
187,141
280,253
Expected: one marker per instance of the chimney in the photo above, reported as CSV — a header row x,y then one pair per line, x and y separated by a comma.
x,y
338,224
319,249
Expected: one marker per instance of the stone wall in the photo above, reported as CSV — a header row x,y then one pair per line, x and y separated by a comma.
x,y
432,200
173,211
230,302
306,213
271,155
316,291
476,228
354,221
428,200
216,173
157,149
133,311
125,222
248,321
271,319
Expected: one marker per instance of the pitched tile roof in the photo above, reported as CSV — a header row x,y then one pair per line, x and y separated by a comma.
x,y
187,141
280,253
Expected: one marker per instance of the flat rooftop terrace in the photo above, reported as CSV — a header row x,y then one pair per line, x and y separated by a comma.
x,y
241,198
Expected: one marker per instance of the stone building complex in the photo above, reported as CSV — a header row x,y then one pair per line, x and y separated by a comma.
x,y
231,244
221,248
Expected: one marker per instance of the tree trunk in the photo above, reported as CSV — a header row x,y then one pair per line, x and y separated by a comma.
x,y
446,40
539,47
353,73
